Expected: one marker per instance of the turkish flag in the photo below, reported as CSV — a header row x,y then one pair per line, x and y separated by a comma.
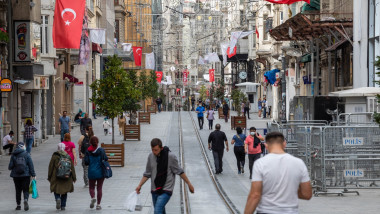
x,y
257,32
159,76
68,23
185,76
232,54
137,54
211,74
286,1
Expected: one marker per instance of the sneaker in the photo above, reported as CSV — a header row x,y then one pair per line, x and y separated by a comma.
x,y
239,172
58,203
18,207
26,205
93,201
242,170
85,186
98,207
63,208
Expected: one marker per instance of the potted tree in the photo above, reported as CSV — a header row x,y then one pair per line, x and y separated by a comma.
x,y
238,97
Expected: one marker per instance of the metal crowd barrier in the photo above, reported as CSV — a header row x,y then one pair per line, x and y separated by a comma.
x,y
358,118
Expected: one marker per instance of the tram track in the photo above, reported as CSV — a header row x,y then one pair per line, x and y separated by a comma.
x,y
185,201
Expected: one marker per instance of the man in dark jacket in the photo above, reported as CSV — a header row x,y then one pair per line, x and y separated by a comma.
x,y
22,168
226,109
159,102
84,123
216,142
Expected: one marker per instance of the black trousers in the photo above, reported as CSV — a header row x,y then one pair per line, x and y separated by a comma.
x,y
252,158
240,156
210,124
200,121
8,146
246,112
21,185
218,160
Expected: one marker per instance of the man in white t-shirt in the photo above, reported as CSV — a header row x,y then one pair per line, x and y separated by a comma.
x,y
278,180
8,142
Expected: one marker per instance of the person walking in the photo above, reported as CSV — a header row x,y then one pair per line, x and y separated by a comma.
x,y
83,144
60,160
247,107
94,111
200,110
8,142
253,147
70,148
259,105
264,107
64,124
159,103
226,109
192,103
84,123
22,168
94,157
29,135
278,181
207,103
238,142
121,122
106,126
161,168
216,141
210,117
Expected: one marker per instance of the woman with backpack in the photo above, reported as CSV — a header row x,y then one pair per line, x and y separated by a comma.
x,y
83,144
238,142
61,176
94,158
22,168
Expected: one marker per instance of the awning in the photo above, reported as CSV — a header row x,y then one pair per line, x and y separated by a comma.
x,y
248,84
357,92
337,45
70,77
96,48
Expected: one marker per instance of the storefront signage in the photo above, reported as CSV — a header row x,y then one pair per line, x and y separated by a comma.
x,y
27,41
6,85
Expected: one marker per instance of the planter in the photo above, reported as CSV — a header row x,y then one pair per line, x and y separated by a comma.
x,y
238,121
144,117
152,109
115,153
221,115
132,132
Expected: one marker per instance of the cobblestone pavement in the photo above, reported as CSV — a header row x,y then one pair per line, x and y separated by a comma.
x,y
125,179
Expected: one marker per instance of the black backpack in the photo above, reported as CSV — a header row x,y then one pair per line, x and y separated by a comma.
x,y
64,167
20,164
85,144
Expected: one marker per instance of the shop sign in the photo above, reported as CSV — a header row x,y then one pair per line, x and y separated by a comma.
x,y
27,41
6,85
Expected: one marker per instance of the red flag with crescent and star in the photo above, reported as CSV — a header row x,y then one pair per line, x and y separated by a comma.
x,y
68,23
159,76
286,1
137,54
211,73
233,53
185,76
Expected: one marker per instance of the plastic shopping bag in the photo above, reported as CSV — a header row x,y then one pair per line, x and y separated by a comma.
x,y
33,189
133,202
110,131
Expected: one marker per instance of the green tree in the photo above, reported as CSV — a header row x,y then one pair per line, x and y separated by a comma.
x,y
203,92
110,92
377,65
219,91
152,85
131,103
148,86
238,97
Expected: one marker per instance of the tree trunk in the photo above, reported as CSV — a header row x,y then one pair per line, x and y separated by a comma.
x,y
113,132
144,105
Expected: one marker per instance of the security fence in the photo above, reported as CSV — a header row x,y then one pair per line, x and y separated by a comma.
x,y
337,157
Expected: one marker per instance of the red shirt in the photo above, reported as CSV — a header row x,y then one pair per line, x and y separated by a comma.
x,y
250,142
69,149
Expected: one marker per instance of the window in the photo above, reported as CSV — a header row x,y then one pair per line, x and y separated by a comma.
x,y
265,35
281,17
117,29
45,34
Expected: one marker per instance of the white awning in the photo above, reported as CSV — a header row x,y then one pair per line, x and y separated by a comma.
x,y
248,84
356,92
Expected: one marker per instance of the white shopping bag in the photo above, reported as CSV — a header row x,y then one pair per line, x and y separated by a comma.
x,y
110,131
133,201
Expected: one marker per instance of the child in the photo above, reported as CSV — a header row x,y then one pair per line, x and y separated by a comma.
x,y
106,126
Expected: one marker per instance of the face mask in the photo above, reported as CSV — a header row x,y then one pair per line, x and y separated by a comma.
x,y
253,133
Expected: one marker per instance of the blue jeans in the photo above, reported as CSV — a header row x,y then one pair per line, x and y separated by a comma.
x,y
159,202
62,197
159,107
63,132
29,144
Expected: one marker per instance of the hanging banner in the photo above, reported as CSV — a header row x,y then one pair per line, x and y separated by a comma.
x,y
211,74
286,1
159,76
150,62
232,54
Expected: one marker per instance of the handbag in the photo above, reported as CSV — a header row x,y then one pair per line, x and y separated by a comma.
x,y
107,171
33,189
